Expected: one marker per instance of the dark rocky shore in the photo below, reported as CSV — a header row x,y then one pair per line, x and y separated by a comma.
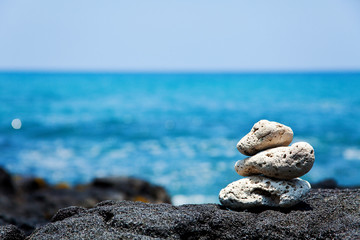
x,y
324,214
29,202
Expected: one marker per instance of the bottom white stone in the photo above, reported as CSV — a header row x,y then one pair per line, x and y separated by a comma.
x,y
256,191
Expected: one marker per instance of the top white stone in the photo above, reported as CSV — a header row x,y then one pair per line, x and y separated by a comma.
x,y
264,135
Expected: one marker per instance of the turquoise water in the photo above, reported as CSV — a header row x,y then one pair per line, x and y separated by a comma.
x,y
177,130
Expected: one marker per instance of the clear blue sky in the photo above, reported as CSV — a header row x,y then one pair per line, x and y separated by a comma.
x,y
182,35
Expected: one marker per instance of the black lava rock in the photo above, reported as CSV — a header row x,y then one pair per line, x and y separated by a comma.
x,y
29,202
10,232
66,213
330,183
324,214
6,183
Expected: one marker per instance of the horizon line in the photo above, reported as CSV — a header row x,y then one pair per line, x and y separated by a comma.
x,y
79,71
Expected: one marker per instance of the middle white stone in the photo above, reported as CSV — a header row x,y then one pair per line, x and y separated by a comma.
x,y
281,162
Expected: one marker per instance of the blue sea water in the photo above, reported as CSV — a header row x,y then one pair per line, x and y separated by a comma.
x,y
176,130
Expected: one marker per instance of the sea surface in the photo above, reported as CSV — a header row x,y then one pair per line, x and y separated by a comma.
x,y
176,130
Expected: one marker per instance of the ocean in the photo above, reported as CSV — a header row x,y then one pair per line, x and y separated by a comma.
x,y
176,130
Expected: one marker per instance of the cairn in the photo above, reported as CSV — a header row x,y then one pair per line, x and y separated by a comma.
x,y
272,171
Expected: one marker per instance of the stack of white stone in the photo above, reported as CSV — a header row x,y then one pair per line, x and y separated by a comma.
x,y
274,169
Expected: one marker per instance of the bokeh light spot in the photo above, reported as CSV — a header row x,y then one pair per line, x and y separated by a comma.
x,y
16,123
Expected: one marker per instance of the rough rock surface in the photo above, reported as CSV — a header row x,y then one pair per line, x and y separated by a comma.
x,y
264,135
257,191
281,162
324,214
10,232
28,202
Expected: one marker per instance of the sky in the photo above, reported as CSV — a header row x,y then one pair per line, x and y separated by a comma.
x,y
179,35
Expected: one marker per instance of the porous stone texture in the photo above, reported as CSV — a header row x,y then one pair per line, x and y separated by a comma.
x,y
281,162
324,214
257,191
264,135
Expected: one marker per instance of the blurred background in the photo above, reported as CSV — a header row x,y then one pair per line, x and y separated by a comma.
x,y
163,90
